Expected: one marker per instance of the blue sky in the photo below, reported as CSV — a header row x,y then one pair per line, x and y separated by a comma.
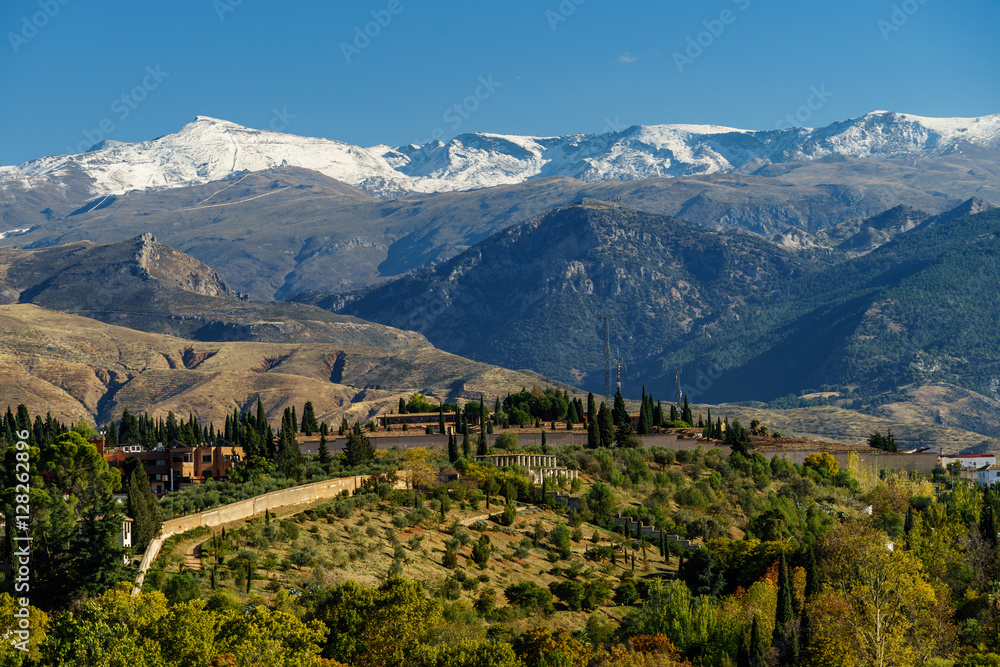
x,y
72,71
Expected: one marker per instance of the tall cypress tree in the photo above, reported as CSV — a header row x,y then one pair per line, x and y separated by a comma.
x,y
143,509
466,447
452,447
686,415
324,451
812,574
591,409
784,612
619,413
441,418
605,426
309,423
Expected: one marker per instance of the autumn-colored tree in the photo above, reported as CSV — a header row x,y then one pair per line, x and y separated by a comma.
x,y
875,601
540,647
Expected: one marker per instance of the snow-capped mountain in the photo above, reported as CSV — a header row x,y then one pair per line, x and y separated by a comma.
x,y
209,150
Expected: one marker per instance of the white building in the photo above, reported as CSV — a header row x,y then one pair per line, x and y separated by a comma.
x,y
973,461
988,475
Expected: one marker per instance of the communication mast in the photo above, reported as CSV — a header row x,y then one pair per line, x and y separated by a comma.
x,y
678,389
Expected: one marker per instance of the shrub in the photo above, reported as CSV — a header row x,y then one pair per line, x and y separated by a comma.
x,y
530,597
482,551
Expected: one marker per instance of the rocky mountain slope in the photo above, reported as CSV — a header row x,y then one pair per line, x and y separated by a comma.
x,y
277,233
743,318
148,286
532,295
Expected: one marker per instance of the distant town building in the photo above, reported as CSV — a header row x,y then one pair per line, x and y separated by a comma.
x,y
413,418
170,468
968,461
988,475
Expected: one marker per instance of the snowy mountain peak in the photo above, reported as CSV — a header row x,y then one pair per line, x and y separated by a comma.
x,y
208,149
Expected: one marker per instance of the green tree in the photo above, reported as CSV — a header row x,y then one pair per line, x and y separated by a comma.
x,y
309,423
605,426
619,414
144,510
324,452
481,552
358,450
74,467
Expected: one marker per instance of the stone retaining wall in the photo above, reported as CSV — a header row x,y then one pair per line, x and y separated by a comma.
x,y
244,509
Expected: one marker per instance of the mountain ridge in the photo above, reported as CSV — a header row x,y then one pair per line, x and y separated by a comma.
x,y
210,149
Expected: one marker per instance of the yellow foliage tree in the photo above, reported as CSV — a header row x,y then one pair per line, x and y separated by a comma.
x,y
876,597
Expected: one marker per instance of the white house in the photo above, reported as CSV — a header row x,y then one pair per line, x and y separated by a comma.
x,y
973,461
988,475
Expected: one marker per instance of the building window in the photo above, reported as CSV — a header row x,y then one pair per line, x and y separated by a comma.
x,y
161,462
206,458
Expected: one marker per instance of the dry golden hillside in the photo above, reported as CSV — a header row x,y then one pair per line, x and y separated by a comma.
x,y
75,367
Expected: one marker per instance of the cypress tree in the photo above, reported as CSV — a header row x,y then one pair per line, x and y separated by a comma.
x,y
452,448
309,423
673,413
142,507
619,413
441,418
591,408
466,448
605,426
812,574
261,417
593,435
784,612
402,405
686,415
324,451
